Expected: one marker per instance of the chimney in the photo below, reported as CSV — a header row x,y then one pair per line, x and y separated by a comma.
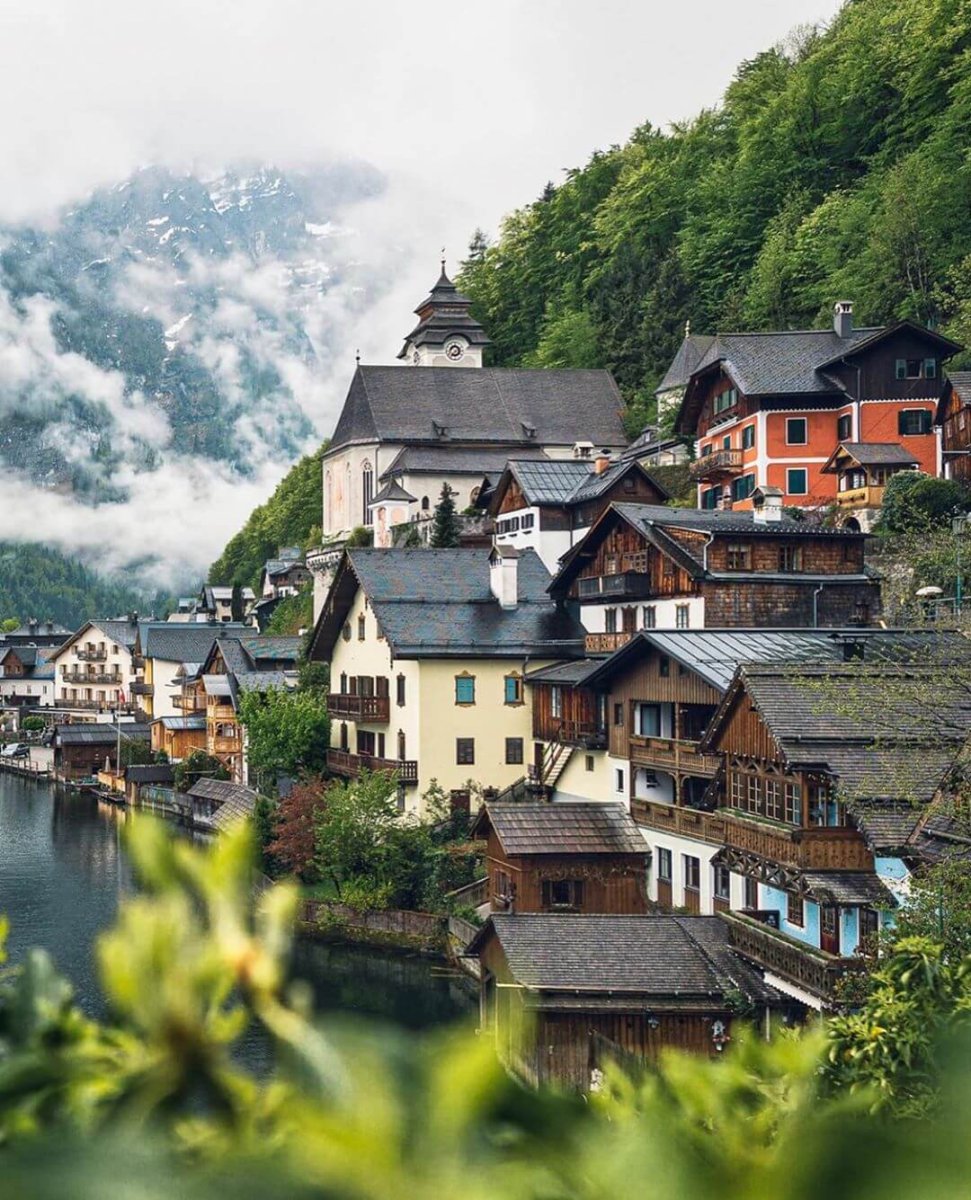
x,y
601,462
843,318
504,575
766,505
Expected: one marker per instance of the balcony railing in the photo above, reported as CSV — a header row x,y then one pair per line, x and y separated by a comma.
x,y
226,745
89,677
672,754
583,733
94,705
141,688
719,462
342,762
812,970
187,704
814,849
860,497
92,654
605,643
623,585
360,708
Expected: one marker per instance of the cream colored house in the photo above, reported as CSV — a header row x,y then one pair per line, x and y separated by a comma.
x,y
94,670
428,651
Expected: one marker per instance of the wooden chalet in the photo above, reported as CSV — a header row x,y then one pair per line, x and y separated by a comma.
x,y
827,769
646,567
179,736
549,505
769,409
562,994
580,858
954,418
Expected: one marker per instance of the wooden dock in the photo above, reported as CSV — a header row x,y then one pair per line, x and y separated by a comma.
x,y
26,769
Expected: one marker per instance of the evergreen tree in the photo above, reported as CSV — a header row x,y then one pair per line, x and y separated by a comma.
x,y
445,526
236,607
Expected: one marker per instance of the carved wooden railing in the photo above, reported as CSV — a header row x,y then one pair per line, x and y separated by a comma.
x,y
342,762
822,849
719,462
605,643
808,968
360,708
672,754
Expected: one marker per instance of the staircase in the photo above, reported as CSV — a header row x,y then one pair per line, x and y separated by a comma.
x,y
554,763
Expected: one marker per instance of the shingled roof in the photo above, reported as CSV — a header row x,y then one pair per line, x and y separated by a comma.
x,y
439,604
560,829
885,731
692,350
675,957
231,802
495,406
184,641
872,454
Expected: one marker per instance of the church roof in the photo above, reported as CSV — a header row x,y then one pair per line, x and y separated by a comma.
x,y
444,312
495,406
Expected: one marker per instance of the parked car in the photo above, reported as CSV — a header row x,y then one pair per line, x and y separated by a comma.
x,y
15,750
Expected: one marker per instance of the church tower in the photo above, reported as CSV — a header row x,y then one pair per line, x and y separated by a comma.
x,y
446,335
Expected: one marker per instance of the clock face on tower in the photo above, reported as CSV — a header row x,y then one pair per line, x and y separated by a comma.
x,y
454,351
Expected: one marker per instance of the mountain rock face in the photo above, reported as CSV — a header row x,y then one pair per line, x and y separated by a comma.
x,y
170,316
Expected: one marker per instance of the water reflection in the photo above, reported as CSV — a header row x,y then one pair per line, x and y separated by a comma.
x,y
63,870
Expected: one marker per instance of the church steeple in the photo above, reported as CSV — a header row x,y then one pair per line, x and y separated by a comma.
x,y
447,335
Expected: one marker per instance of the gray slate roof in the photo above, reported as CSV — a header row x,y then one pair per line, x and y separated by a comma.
x,y
571,674
161,773
184,641
727,520
961,382
569,481
677,957
848,887
196,721
492,405
785,362
393,490
692,350
455,460
885,824
438,603
563,829
92,734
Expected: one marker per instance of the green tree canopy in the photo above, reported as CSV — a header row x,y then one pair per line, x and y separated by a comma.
x,y
287,732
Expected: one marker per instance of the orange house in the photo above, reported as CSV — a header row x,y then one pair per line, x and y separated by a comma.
x,y
771,409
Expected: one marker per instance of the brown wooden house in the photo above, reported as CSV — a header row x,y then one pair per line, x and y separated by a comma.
x,y
580,858
560,994
80,750
646,567
954,417
179,736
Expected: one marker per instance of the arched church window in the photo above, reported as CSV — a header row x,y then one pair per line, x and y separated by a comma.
x,y
424,504
367,490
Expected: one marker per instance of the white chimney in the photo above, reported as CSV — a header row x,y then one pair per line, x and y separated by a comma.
x,y
767,505
504,575
843,318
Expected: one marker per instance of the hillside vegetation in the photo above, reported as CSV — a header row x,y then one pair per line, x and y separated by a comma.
x,y
36,581
836,167
291,517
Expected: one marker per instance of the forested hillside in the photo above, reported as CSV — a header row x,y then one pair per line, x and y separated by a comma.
x,y
291,517
36,581
837,166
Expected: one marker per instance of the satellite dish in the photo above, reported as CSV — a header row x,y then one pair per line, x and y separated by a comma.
x,y
930,591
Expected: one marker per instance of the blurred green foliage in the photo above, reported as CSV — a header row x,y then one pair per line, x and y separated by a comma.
x,y
153,1103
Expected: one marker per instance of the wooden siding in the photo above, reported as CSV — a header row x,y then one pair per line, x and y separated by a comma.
x,y
750,603
513,498
577,722
622,550
820,556
612,883
644,683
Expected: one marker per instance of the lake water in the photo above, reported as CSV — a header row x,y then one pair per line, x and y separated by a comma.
x,y
63,872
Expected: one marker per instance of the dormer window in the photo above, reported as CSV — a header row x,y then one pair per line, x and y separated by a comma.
x,y
916,368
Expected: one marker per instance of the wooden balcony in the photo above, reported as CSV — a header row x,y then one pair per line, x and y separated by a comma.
x,y
91,677
807,968
815,849
342,762
225,745
860,497
675,755
719,462
141,688
584,734
376,709
605,643
94,705
93,654
623,585
187,704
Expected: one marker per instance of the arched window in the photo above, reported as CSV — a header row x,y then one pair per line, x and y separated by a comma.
x,y
424,504
367,490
